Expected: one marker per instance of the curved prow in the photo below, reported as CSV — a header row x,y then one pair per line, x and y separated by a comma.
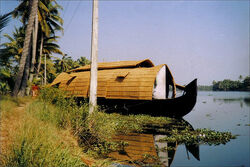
x,y
191,88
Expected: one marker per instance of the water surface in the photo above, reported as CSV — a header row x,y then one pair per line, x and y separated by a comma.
x,y
221,111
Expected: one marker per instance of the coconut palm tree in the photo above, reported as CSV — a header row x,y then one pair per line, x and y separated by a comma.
x,y
63,64
48,17
4,19
47,22
49,47
52,23
11,51
82,61
22,76
4,72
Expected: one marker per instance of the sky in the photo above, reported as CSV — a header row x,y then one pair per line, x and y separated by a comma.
x,y
208,40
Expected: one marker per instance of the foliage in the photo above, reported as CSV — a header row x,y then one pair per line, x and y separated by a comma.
x,y
11,51
49,22
205,88
94,132
229,85
198,136
67,112
37,143
67,63
4,19
48,15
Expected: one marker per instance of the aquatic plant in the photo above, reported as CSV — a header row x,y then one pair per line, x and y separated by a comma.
x,y
198,136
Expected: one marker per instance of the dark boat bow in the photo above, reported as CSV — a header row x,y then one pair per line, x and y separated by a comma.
x,y
175,107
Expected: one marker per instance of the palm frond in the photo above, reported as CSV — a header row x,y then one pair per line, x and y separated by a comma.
x,y
4,19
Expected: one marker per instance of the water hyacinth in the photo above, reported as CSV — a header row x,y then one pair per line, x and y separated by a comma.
x,y
199,136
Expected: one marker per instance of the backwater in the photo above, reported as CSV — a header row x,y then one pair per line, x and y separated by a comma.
x,y
218,111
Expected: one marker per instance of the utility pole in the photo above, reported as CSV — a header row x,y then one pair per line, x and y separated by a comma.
x,y
94,53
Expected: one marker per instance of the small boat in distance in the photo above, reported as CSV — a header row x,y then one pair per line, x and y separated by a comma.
x,y
132,87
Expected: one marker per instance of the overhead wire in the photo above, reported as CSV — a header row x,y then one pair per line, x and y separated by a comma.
x,y
66,8
72,17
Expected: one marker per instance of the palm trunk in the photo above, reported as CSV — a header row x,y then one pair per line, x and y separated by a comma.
x,y
25,77
26,50
40,56
33,61
45,68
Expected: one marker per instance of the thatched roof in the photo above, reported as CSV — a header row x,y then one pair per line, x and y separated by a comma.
x,y
122,81
117,64
60,78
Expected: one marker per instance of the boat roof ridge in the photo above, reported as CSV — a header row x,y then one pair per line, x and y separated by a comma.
x,y
117,65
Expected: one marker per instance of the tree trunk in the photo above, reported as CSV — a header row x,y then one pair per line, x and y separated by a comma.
x,y
26,49
40,56
94,53
25,77
33,61
45,68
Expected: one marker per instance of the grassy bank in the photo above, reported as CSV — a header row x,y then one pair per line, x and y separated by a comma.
x,y
33,141
55,130
94,132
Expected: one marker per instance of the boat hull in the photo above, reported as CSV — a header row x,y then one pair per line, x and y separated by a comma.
x,y
176,107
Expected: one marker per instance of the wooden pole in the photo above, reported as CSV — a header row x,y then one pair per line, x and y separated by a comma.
x,y
94,54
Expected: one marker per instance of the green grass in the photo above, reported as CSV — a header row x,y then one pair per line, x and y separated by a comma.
x,y
36,143
8,103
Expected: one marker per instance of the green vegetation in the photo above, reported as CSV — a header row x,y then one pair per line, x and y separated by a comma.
x,y
44,45
96,139
34,142
198,136
229,85
56,130
38,144
205,88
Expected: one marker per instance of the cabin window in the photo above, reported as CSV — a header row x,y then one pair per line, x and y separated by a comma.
x,y
122,74
71,79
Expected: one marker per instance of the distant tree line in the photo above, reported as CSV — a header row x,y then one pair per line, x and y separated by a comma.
x,y
205,87
229,85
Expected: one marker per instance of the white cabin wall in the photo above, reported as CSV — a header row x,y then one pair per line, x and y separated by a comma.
x,y
159,91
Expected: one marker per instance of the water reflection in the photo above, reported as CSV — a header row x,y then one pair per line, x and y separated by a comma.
x,y
245,101
151,149
166,150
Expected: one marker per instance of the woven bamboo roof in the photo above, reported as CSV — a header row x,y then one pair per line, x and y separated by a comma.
x,y
122,82
60,78
117,64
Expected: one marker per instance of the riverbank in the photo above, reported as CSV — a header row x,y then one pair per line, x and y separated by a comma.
x,y
35,132
28,141
53,129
